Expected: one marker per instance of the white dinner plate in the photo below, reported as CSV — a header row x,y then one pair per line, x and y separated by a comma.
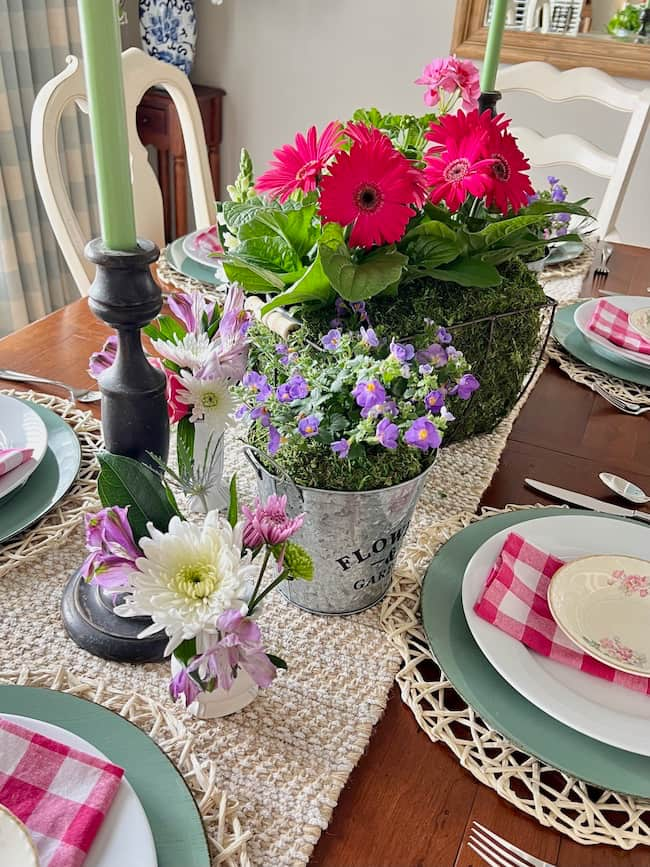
x,y
125,838
200,256
20,428
582,317
602,710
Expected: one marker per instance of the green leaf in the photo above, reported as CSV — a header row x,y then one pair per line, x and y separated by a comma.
x,y
542,207
441,215
497,233
233,505
312,286
469,272
185,651
270,252
237,214
185,445
125,482
277,662
253,278
295,227
358,281
431,244
164,328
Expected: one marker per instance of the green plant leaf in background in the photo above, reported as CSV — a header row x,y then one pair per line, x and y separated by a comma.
x,y
356,281
314,285
270,252
430,244
233,503
498,233
125,482
253,278
185,445
164,328
468,272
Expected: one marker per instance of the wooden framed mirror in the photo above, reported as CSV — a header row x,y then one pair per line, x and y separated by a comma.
x,y
584,42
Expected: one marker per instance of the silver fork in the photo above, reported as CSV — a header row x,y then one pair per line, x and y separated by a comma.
x,y
497,852
83,395
605,255
620,404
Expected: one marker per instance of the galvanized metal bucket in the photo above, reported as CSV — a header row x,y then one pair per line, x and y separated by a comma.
x,y
353,537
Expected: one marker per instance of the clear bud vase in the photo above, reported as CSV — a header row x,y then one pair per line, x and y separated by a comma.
x,y
208,456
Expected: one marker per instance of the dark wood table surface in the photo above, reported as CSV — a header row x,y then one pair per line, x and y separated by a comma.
x,y
408,803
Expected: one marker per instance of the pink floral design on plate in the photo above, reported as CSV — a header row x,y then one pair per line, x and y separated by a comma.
x,y
630,584
615,649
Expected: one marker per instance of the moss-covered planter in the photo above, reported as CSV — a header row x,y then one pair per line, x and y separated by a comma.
x,y
501,350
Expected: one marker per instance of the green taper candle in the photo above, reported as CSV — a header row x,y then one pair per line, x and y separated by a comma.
x,y
100,39
493,46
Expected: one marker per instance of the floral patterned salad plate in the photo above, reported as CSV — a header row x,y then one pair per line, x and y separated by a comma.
x,y
603,604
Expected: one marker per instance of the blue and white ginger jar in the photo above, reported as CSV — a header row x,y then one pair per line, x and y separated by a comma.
x,y
168,31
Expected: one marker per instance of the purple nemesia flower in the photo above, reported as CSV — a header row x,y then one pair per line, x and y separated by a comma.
x,y
368,392
359,308
258,384
240,646
423,434
295,388
274,440
533,197
368,336
341,448
336,323
466,386
386,407
402,352
434,400
562,231
183,684
558,194
425,369
102,360
434,354
553,180
308,427
268,523
446,415
261,414
563,218
287,355
443,335
341,307
332,340
242,411
387,433
453,353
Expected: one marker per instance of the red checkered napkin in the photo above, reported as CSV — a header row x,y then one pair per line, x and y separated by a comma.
x,y
12,458
613,324
61,794
514,600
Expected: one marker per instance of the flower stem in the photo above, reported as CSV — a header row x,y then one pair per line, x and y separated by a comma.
x,y
281,577
253,600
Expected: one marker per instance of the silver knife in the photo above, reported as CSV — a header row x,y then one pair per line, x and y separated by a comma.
x,y
586,502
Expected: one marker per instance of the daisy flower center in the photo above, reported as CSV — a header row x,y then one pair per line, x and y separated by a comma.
x,y
457,170
369,198
501,168
212,400
196,580
309,170
423,434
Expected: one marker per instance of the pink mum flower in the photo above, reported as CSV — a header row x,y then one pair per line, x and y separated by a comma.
x,y
269,523
372,188
300,166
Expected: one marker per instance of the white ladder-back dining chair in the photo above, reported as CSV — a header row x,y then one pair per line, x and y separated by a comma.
x,y
550,84
140,73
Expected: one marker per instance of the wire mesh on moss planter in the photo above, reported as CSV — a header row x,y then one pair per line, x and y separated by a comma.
x,y
505,350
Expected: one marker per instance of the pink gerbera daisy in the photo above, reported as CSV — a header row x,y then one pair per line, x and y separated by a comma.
x,y
511,186
300,166
372,188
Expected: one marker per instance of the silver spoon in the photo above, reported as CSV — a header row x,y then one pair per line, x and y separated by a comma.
x,y
83,395
625,489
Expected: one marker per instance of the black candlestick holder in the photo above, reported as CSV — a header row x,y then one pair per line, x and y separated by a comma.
x,y
643,33
488,101
134,423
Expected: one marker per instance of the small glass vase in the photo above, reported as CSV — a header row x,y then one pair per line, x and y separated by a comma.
x,y
209,450
221,702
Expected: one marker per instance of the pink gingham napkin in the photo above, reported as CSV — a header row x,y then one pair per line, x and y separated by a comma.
x,y
613,324
514,600
12,458
61,794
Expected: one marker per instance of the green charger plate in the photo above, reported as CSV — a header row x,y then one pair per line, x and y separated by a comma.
x,y
490,695
49,481
182,263
567,334
172,811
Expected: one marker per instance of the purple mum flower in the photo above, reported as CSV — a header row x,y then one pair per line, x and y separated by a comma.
x,y
308,427
368,392
443,335
332,340
467,385
341,448
368,336
387,433
183,684
258,384
402,352
434,400
423,434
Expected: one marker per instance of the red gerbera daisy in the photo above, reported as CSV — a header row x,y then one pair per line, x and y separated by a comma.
x,y
457,170
371,188
300,166
511,186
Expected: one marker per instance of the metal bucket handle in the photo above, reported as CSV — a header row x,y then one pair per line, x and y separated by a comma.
x,y
251,453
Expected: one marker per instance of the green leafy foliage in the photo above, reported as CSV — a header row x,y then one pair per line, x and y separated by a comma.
x,y
233,503
185,445
358,280
277,661
125,482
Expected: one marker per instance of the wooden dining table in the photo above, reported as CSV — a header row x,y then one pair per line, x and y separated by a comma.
x,y
409,803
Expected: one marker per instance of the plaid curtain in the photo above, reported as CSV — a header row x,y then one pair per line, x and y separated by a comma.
x,y
35,38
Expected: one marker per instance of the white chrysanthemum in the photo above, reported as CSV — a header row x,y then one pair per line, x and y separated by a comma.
x,y
192,351
209,398
188,577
